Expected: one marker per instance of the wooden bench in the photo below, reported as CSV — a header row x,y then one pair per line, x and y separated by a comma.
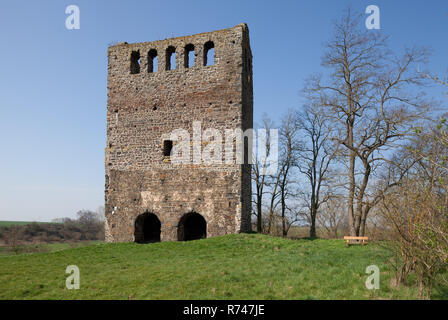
x,y
363,240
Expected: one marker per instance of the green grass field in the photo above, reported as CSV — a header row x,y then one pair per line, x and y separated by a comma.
x,y
244,266
13,223
42,247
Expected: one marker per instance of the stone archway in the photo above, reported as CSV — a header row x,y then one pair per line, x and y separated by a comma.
x,y
192,226
147,228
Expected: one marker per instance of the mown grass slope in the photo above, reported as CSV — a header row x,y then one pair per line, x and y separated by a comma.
x,y
244,266
43,247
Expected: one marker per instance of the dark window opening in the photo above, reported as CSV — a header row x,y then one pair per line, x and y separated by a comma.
x,y
170,58
189,56
192,226
147,228
152,61
167,147
135,62
246,150
209,53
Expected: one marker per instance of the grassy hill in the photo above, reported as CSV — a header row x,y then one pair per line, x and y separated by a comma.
x,y
43,247
244,266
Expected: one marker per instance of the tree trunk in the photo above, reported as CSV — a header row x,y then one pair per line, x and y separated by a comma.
x,y
313,226
351,195
362,229
313,212
259,215
284,231
361,209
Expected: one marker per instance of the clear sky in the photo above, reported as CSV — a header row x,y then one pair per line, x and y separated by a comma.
x,y
53,80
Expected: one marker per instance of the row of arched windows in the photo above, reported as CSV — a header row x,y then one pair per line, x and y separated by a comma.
x,y
170,56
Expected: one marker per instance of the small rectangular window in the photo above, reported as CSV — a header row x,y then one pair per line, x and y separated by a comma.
x,y
135,62
189,56
209,53
170,58
152,61
167,147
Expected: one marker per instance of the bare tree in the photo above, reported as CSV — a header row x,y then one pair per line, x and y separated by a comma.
x,y
416,212
372,98
280,184
259,178
88,217
273,182
101,213
12,237
436,79
314,159
290,147
332,217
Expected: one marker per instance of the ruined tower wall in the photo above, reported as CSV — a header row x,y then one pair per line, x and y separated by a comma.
x,y
145,107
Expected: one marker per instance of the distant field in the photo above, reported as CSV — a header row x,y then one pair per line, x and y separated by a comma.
x,y
14,223
244,266
19,223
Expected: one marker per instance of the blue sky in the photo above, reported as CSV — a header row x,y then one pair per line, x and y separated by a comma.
x,y
53,80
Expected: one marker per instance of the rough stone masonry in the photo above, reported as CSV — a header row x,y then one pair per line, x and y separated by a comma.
x,y
153,89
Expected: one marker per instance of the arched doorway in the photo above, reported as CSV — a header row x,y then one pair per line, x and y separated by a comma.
x,y
192,226
147,228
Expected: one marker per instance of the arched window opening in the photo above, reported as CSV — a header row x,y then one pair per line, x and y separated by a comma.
x,y
192,226
170,58
147,228
189,56
209,53
152,61
135,62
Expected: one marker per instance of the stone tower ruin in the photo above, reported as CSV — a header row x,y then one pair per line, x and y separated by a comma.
x,y
155,88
